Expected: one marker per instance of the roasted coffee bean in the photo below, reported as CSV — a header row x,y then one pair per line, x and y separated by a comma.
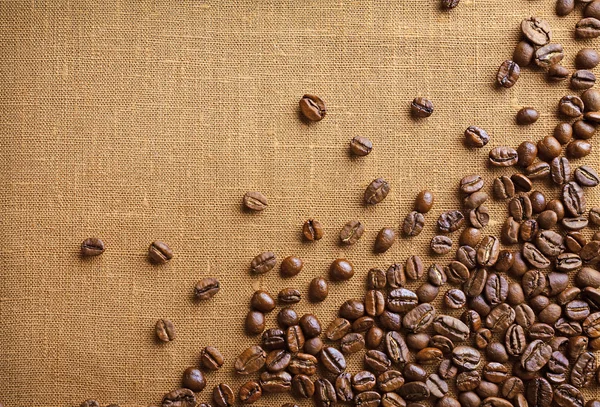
x,y
557,73
311,327
395,275
394,400
263,263
442,343
488,251
414,391
352,343
363,324
325,395
303,386
480,305
588,27
472,319
312,230
547,219
251,360
538,170
436,275
548,55
303,363
262,301
289,296
467,381
294,338
593,117
385,239
557,282
376,279
582,79
528,230
536,30
560,169
280,382
343,387
471,184
548,148
506,259
496,352
178,398
337,329
469,399
533,283
396,347
534,256
566,395
577,345
541,331
211,358
567,262
504,187
413,223
414,267
278,360
92,247
515,340
360,146
584,370
374,303
451,327
594,216
441,244
419,318
414,373
250,392
401,300
571,106
467,256
564,7
475,200
503,156
424,201
165,330
550,243
591,325
466,357
527,152
584,129
255,201
159,252
351,232
539,392
376,192
447,370
573,199
510,230
206,288
390,320
508,74
523,53
538,201
341,270
470,236
574,223
578,149
456,272
418,341
374,337
496,289
377,361
193,379
522,182
313,346
488,390
479,217
568,295
535,356
223,396
586,176
500,318
563,132
318,289
592,10
437,386
512,387
312,107
367,399
421,107
587,276
482,338
587,58
363,381
352,309
291,266
287,317
389,381
333,360
520,208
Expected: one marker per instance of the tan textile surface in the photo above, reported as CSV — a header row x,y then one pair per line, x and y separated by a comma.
x,y
141,120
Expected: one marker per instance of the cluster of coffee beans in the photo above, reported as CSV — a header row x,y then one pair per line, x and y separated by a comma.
x,y
589,25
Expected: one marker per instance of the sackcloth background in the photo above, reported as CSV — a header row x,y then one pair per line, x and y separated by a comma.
x,y
141,120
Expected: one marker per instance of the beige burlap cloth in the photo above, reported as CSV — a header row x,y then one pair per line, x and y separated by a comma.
x,y
141,120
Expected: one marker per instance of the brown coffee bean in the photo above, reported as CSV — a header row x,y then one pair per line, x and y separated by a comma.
x,y
254,323
429,355
337,329
578,149
427,292
263,263
223,396
385,239
548,148
352,343
523,53
361,146
312,107
421,107
510,231
92,247
503,156
341,270
466,357
179,398
503,187
343,387
424,201
536,30
390,381
363,381
592,10
165,330
303,363
250,392
466,255
318,289
538,170
414,373
313,346
193,379
262,301
450,221
376,279
291,266
467,381
159,252
351,232
584,129
287,317
584,370
548,55
582,79
475,200
571,106
488,251
586,176
255,201
475,284
560,170
396,347
563,132
400,300
352,309
395,276
325,394
479,217
587,58
333,360
470,236
535,356
573,199
538,201
413,223
211,358
483,337
594,216
476,136
508,74
374,302
591,101
564,7
441,244
506,259
521,182
374,337
588,27
528,230
303,386
539,392
376,192
311,327
419,318
436,275
312,230
206,288
496,289
471,184
451,327
500,318
558,73
294,338
289,296
280,382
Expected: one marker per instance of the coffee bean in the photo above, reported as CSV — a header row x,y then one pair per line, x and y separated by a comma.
x,y
534,256
384,240
521,182
165,330
311,327
571,106
594,216
500,318
547,219
588,27
303,386
250,392
584,129
467,381
263,263
92,247
483,337
223,396
419,318
414,391
312,107
262,301
563,132
436,385
436,275
538,170
504,187
394,400
291,266
361,146
548,55
560,170
591,101
523,53
479,217
396,348
564,7
578,149
313,346
352,342
456,272
390,381
582,79
303,363
343,387
587,58
427,292
254,323
566,395
413,223
538,201
421,107
374,337
451,327
351,232
471,184
567,262
475,200
512,387
539,392
508,74
401,300
294,338
506,259
528,230
180,398
333,360
548,148
280,382
496,289
341,270
573,199
287,317
352,309
587,276
211,358
424,201
466,255
584,370
337,329
414,373
374,303
376,192
376,279
503,156
318,289
586,176
450,221
363,381
535,356
466,357
470,236
312,230
476,136
520,208
289,296
550,243
536,30
206,288
592,10
515,340
395,276
441,244
476,282
159,252
558,73
325,395
255,201
510,231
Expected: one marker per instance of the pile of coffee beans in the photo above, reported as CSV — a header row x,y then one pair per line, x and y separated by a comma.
x,y
526,303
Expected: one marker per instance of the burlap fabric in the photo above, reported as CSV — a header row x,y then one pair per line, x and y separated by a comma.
x,y
143,120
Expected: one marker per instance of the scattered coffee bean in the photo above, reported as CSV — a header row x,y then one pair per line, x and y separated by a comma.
x,y
318,289
206,288
312,107
421,107
508,74
211,358
476,136
289,296
255,201
578,149
536,30
503,156
159,252
564,7
254,323
263,263
548,148
312,230
571,106
582,79
385,239
588,27
424,201
92,247
180,397
287,317
341,270
523,54
291,266
376,192
413,223
548,55
250,392
193,379
558,73
361,146
165,330
441,244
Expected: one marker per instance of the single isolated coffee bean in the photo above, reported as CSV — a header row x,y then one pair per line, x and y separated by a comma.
x,y
352,232
424,201
361,146
255,201
206,288
92,247
312,230
159,252
193,379
263,263
582,79
503,186
536,30
523,53
421,107
441,244
476,137
291,266
587,58
413,223
376,192
508,74
165,330
318,289
586,176
522,182
287,317
289,296
527,115
557,73
312,107
385,239
180,397
262,301
503,156
341,270
450,221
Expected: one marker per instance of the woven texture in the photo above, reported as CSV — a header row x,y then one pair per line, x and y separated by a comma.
x,y
136,121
